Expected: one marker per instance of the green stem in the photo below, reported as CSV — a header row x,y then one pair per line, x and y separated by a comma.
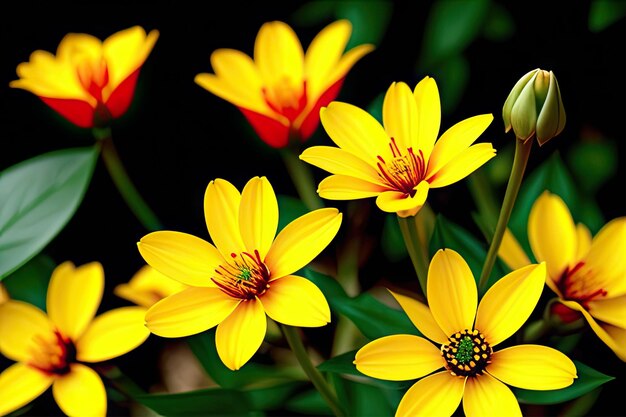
x,y
302,179
123,183
295,343
414,235
522,152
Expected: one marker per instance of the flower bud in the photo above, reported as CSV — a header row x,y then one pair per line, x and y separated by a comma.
x,y
534,107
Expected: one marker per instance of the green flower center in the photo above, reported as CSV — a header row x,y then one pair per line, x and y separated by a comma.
x,y
467,353
245,274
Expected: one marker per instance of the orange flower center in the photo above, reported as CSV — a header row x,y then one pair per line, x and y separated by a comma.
x,y
467,353
404,172
246,277
93,76
286,98
580,284
53,356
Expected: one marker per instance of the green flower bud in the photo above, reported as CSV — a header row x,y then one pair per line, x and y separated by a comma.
x,y
534,107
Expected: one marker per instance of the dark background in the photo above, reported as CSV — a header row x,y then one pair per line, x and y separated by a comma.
x,y
177,137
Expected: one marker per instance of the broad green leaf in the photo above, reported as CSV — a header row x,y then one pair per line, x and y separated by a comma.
x,y
30,282
392,242
452,74
366,399
37,199
272,397
581,406
588,379
309,402
341,364
593,163
500,25
289,209
369,19
603,13
205,402
328,285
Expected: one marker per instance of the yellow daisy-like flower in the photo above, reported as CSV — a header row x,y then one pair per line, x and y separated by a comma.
x,y
147,287
467,333
400,162
52,349
246,275
588,275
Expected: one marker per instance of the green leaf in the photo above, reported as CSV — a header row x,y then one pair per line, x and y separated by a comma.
x,y
310,402
30,282
329,286
593,163
452,75
37,199
500,25
392,242
369,20
588,379
273,397
205,402
603,13
581,406
341,364
366,399
289,209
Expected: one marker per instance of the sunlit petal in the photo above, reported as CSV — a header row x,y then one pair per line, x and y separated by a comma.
x,y
609,310
20,325
606,257
343,187
258,215
341,162
80,392
421,317
400,116
19,385
296,301
278,53
234,94
436,395
147,287
462,165
221,212
396,201
583,241
511,251
426,96
486,396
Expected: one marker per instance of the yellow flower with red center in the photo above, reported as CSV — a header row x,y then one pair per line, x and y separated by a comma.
x,y
467,332
400,162
147,287
246,275
588,275
88,81
281,90
52,349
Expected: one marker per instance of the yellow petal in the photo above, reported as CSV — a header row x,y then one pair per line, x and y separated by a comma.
x,y
221,212
20,325
278,54
344,187
347,61
552,233
606,257
147,287
296,301
4,295
486,396
436,395
74,295
532,367
399,202
509,302
583,241
610,310
112,334
341,162
181,256
258,215
511,251
80,392
461,165
79,46
421,317
239,336
456,140
301,241
426,96
452,293
400,116
19,385
354,130
190,311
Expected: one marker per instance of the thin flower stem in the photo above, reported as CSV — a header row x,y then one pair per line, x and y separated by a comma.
x,y
295,343
412,228
123,183
302,179
522,152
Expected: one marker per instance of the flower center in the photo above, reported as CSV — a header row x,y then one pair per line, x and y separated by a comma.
x,y
580,284
93,76
245,277
53,356
467,354
286,97
404,172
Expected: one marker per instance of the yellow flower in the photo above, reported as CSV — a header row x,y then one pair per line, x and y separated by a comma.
x,y
281,91
467,332
247,274
399,163
588,275
89,82
52,349
147,287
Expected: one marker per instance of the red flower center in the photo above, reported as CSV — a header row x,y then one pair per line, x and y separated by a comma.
x,y
94,76
53,356
286,98
580,284
246,277
404,172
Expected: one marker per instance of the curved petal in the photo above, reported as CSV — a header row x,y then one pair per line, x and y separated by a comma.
x,y
401,203
463,164
112,334
180,256
456,140
239,336
421,317
355,130
452,293
436,395
583,241
341,162
606,257
234,94
4,294
509,302
272,129
21,325
80,392
348,60
400,117
610,310
74,295
428,104
398,358
190,311
296,301
532,367
344,187
258,215
19,385
147,287
511,251
552,233
486,396
301,241
221,212
278,54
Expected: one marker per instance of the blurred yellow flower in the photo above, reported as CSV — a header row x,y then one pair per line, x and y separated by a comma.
x,y
4,295
400,162
588,275
246,275
88,81
52,349
147,287
467,332
281,91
